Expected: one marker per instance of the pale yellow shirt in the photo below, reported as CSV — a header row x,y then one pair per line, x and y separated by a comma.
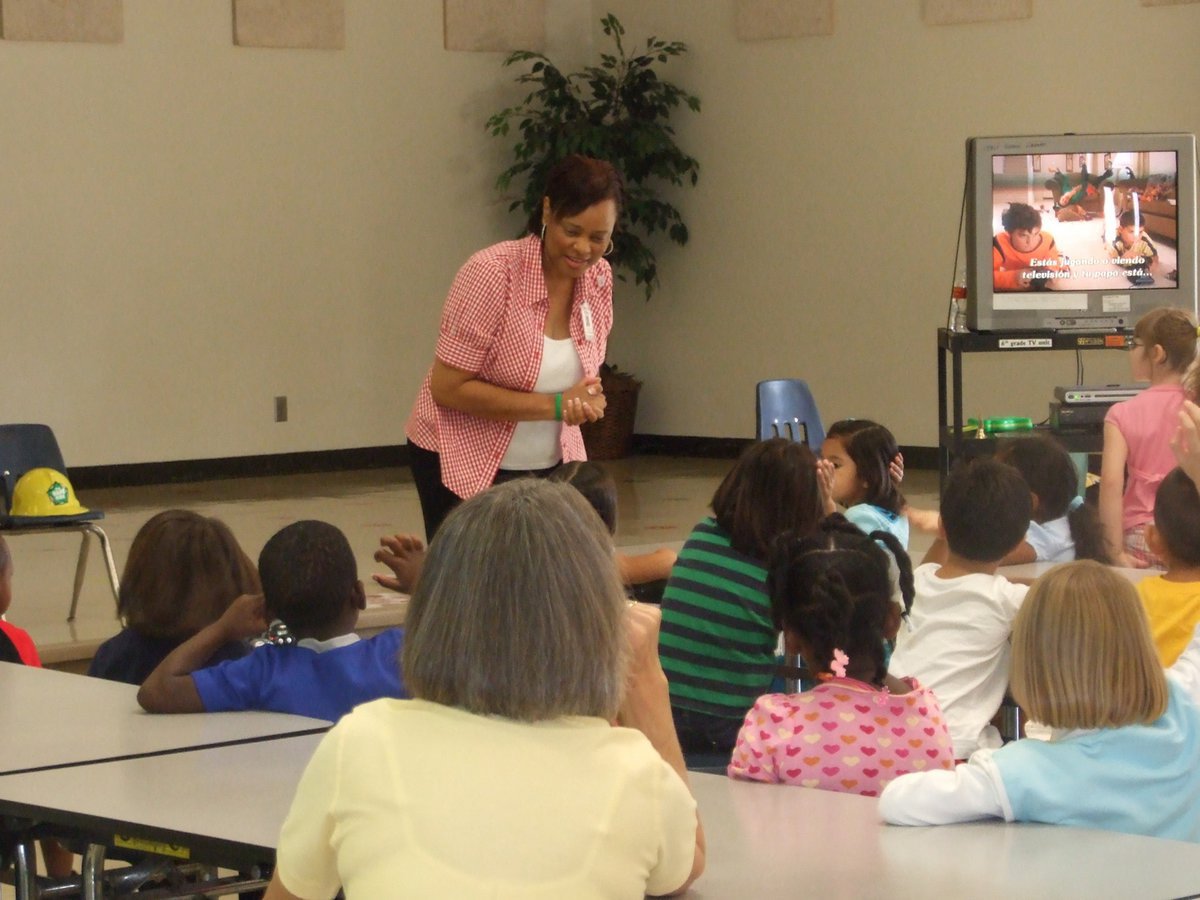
x,y
414,799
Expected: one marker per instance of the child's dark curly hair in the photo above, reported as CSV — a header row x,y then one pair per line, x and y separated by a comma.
x,y
832,590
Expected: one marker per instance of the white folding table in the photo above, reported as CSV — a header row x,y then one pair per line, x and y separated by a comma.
x,y
50,719
225,805
772,841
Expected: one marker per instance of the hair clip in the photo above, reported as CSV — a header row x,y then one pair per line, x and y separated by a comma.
x,y
1075,503
838,665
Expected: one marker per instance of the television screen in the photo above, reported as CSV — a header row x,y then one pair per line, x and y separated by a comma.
x,y
1079,231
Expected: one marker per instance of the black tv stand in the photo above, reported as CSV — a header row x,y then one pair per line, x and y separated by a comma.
x,y
951,439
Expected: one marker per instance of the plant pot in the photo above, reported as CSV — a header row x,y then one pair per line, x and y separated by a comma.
x,y
612,436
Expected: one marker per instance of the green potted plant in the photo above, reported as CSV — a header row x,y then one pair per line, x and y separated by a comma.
x,y
618,111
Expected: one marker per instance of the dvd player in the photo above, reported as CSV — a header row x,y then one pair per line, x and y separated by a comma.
x,y
1077,415
1100,393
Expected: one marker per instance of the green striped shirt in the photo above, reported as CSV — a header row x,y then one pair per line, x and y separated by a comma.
x,y
717,642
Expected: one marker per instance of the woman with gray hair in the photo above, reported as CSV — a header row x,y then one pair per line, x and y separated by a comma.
x,y
503,776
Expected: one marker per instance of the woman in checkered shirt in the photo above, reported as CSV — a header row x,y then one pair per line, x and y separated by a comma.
x,y
523,333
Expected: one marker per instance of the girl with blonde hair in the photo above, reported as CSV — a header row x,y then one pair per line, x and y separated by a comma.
x,y
1125,738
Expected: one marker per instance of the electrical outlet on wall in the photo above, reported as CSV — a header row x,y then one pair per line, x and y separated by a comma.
x,y
281,409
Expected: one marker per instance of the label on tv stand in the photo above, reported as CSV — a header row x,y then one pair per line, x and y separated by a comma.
x,y
1025,343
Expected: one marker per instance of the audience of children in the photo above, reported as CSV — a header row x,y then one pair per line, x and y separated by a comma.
x,y
1126,739
860,727
310,582
956,642
1025,258
1063,527
1086,657
1137,432
718,641
182,572
503,774
16,646
1172,599
863,454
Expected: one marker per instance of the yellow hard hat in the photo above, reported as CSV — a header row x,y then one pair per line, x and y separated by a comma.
x,y
45,492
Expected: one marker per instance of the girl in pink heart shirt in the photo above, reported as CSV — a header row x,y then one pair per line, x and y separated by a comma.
x,y
858,728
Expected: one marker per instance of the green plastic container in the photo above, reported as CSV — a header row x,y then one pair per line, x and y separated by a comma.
x,y
1001,425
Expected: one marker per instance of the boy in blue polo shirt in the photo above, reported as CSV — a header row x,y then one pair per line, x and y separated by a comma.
x,y
310,582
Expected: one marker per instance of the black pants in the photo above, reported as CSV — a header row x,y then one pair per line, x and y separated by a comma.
x,y
702,734
436,499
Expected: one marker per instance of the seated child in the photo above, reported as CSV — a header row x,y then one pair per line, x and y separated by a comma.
x,y
1063,527
831,596
404,554
1132,249
862,453
16,646
1137,432
600,490
1172,600
310,582
957,640
1024,258
182,572
1123,754
718,641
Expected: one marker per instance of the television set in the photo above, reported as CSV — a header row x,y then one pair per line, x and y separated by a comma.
x,y
1079,232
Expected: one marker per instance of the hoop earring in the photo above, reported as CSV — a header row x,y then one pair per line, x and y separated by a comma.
x,y
612,247
543,232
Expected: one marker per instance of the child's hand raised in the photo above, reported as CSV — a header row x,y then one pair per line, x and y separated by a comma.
x,y
825,472
404,554
642,622
1185,443
245,617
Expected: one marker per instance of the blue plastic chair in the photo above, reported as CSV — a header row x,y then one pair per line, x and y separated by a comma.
x,y
786,408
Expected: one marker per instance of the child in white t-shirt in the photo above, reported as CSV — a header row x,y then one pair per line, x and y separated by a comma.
x,y
957,640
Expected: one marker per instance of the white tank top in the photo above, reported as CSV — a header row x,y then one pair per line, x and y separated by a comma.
x,y
536,445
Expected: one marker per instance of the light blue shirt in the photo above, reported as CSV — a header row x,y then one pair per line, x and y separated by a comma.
x,y
1138,779
1051,541
875,518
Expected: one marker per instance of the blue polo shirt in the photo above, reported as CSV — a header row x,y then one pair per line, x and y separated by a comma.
x,y
307,682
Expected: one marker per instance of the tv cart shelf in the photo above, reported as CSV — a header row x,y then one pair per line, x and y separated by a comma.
x,y
951,440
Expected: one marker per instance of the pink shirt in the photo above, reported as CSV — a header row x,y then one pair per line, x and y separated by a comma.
x,y
493,323
1147,423
843,735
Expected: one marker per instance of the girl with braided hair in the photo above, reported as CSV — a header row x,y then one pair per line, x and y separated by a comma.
x,y
859,728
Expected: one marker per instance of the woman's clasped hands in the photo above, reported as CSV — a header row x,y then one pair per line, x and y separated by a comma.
x,y
584,402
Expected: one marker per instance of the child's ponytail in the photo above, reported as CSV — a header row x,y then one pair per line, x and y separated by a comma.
x,y
904,568
1087,532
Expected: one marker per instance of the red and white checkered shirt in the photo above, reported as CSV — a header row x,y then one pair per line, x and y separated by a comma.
x,y
492,325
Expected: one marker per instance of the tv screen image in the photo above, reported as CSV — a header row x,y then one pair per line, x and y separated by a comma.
x,y
1079,231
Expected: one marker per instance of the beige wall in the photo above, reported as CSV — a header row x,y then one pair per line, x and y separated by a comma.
x,y
823,230
190,228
